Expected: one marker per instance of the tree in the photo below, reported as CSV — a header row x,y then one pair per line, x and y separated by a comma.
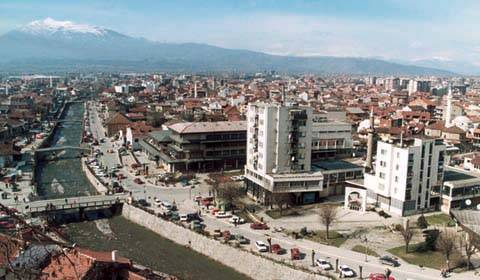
x,y
280,200
229,193
470,247
446,243
328,216
407,234
156,119
422,222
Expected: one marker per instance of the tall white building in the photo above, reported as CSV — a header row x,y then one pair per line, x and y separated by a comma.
x,y
406,176
279,140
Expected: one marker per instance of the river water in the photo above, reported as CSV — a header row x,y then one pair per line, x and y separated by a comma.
x,y
64,178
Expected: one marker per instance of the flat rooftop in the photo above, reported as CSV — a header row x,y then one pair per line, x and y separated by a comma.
x,y
453,175
329,165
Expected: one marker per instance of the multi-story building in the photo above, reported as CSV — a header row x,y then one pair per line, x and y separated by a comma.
x,y
199,146
406,175
279,155
331,138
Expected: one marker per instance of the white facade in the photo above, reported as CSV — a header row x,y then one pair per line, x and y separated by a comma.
x,y
405,175
279,140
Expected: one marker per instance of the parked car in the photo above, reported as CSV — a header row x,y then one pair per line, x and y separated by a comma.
x,y
379,276
277,249
217,233
222,214
236,219
157,203
241,239
226,235
183,218
196,225
295,254
259,226
173,215
261,246
346,271
389,261
138,181
143,202
323,264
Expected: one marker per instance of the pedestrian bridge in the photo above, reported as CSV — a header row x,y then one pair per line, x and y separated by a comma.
x,y
61,148
81,203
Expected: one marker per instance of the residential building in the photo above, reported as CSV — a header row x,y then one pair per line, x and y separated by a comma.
x,y
406,175
279,156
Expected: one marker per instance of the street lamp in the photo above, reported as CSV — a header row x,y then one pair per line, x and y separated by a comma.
x,y
365,240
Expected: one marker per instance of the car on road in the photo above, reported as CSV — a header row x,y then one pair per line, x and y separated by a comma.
x,y
196,225
391,261
143,202
167,206
346,271
323,264
217,233
222,214
226,235
241,239
236,219
295,254
138,181
261,246
277,249
183,218
379,276
262,226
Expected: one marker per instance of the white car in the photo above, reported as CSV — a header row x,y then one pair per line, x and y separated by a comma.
x,y
346,271
261,246
167,206
183,217
323,264
157,203
222,214
235,219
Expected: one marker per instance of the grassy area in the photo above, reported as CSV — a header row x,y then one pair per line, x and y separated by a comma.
x,y
361,249
320,236
432,259
275,213
440,219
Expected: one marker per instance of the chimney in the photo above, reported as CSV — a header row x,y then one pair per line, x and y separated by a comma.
x,y
114,255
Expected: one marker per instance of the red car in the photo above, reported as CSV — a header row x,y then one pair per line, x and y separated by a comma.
x,y
138,181
259,226
379,276
226,235
276,249
295,253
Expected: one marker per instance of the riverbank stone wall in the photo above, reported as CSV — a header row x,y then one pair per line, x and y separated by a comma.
x,y
253,266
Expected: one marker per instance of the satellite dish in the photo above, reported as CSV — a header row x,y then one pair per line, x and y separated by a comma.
x,y
468,202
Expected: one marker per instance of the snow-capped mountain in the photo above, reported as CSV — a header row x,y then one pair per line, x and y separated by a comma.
x,y
50,26
54,45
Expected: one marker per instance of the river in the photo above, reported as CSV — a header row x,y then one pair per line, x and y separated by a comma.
x,y
64,178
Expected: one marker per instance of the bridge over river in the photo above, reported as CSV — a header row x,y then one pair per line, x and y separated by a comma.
x,y
81,203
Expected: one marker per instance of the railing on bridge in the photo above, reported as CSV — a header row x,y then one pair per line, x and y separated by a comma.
x,y
97,201
53,149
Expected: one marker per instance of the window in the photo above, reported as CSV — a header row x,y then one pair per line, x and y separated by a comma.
x,y
383,163
383,152
396,179
382,175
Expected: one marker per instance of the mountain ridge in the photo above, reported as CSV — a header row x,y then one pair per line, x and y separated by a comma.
x,y
58,43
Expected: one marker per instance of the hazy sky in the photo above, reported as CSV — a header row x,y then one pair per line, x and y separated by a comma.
x,y
393,29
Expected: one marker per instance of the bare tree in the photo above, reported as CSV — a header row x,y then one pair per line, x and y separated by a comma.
x,y
280,200
446,243
328,216
229,193
407,234
470,246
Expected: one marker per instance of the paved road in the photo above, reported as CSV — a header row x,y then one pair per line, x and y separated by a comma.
x,y
184,199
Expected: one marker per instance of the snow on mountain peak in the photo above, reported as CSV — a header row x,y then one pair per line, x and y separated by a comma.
x,y
50,26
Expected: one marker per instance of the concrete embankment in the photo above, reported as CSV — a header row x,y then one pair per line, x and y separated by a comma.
x,y
94,181
253,266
